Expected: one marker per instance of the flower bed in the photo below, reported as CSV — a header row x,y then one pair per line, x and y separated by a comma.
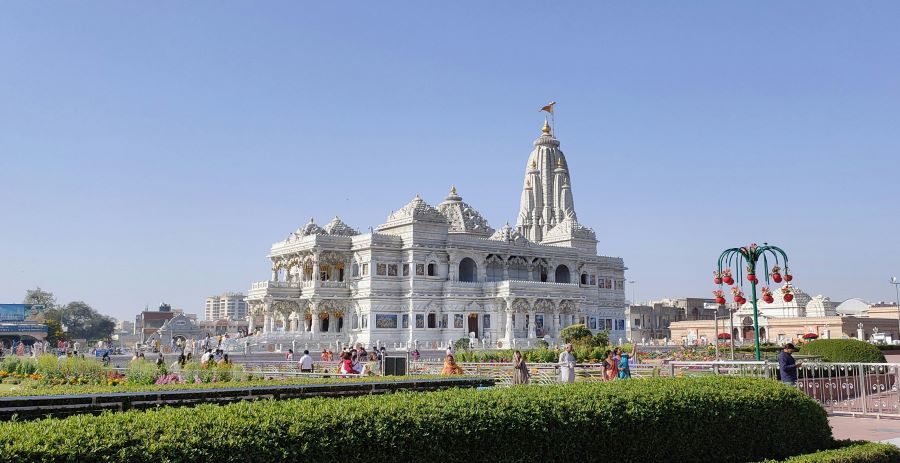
x,y
38,390
531,423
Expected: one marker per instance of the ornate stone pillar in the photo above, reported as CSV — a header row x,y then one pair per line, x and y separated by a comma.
x,y
532,324
274,272
505,270
553,329
313,326
510,326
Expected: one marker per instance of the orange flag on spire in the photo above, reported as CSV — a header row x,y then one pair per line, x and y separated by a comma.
x,y
549,107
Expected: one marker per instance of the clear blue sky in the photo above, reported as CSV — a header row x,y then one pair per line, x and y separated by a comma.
x,y
154,152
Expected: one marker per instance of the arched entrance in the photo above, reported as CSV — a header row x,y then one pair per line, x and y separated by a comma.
x,y
468,270
562,274
473,325
762,335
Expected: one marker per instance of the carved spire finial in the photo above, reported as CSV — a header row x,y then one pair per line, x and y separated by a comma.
x,y
546,128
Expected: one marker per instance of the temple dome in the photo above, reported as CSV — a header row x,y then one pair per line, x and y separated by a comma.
x,y
339,228
568,229
416,210
463,218
853,306
509,234
820,306
306,230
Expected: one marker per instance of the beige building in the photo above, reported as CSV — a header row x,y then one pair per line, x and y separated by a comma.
x,y
228,306
782,322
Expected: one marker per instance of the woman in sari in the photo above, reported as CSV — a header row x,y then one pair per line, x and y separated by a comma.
x,y
624,368
612,372
520,369
450,366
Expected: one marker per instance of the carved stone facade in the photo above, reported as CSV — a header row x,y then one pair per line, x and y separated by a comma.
x,y
431,275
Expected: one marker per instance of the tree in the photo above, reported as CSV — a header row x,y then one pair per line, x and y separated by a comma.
x,y
54,330
601,339
576,334
83,322
40,297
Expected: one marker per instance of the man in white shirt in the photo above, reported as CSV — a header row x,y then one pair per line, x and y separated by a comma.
x,y
306,363
204,359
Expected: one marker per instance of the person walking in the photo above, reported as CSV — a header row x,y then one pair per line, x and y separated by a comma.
x,y
787,366
567,365
520,369
624,368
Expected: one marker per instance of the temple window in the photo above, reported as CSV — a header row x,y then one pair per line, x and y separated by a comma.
x,y
432,320
365,270
432,269
381,269
468,270
406,270
325,272
584,278
392,270
420,269
355,270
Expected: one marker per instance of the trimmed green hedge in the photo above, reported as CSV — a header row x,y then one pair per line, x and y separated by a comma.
x,y
843,350
632,421
855,452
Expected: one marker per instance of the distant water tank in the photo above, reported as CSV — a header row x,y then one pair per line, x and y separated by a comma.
x,y
163,307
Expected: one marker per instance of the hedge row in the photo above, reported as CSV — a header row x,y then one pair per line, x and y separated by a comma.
x,y
634,421
38,390
843,350
856,452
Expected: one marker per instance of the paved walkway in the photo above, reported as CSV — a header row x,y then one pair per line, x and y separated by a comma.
x,y
871,429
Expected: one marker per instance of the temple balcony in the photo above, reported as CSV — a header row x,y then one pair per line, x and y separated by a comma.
x,y
276,289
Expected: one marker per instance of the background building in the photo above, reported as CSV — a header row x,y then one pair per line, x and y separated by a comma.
x,y
228,306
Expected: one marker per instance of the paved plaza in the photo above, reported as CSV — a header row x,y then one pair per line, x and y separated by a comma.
x,y
871,429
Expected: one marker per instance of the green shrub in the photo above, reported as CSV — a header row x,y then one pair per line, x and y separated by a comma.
x,y
528,423
461,344
576,334
855,452
142,372
843,350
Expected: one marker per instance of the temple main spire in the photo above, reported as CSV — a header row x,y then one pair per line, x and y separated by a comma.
x,y
547,194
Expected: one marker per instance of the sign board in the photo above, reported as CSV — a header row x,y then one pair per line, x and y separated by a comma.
x,y
394,366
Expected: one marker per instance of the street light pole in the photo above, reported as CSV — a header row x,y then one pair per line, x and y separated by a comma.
x,y
896,283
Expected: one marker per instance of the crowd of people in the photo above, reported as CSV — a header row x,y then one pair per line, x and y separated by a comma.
x,y
615,366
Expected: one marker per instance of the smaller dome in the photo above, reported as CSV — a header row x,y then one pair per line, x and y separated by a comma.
x,y
339,228
569,228
509,234
309,229
855,306
463,218
416,210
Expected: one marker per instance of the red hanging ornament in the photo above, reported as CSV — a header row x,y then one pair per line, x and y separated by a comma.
x,y
788,297
726,277
717,278
776,274
788,277
751,277
720,300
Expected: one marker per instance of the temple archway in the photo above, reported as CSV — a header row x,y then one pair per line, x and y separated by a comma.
x,y
468,270
562,274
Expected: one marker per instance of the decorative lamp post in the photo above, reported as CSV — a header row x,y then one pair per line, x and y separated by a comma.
x,y
896,283
748,257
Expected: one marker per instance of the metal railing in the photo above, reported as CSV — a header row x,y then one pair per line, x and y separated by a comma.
x,y
864,389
